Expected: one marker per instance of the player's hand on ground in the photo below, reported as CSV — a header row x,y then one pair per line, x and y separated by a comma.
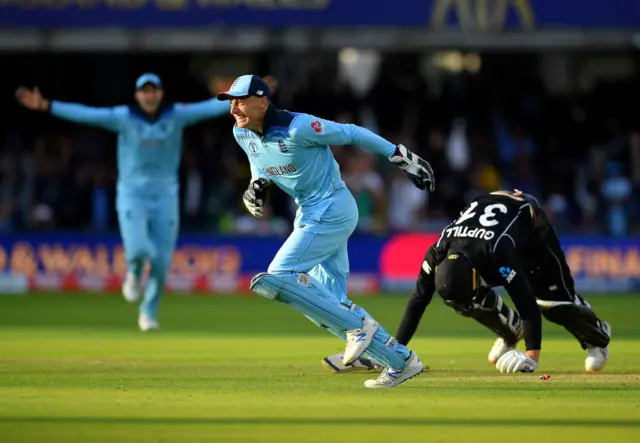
x,y
31,99
255,197
516,361
417,169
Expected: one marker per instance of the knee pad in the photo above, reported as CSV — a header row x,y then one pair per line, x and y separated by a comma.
x,y
264,286
306,296
312,299
579,319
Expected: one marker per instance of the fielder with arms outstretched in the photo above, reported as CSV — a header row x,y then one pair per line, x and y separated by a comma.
x,y
149,151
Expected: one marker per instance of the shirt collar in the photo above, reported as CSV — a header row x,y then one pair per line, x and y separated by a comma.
x,y
270,119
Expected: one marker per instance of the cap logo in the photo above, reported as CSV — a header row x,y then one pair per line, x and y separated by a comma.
x,y
259,92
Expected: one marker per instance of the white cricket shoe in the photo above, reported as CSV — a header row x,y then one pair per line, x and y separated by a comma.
x,y
358,340
393,377
500,347
597,357
147,324
334,363
131,288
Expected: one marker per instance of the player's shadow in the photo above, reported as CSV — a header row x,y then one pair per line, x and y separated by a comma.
x,y
369,421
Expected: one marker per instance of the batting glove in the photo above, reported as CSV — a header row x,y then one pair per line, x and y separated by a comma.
x,y
417,169
516,361
255,196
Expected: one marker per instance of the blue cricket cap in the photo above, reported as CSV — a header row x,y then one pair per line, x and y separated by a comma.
x,y
148,79
246,86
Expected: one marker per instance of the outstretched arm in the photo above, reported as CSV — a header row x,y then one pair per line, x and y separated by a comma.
x,y
315,131
192,113
108,118
319,132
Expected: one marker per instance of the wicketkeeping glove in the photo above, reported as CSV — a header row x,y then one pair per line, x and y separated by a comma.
x,y
516,361
255,196
417,169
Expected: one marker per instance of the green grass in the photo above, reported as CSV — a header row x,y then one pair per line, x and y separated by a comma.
x,y
243,369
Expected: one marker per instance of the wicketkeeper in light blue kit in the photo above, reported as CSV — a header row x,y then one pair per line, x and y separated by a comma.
x,y
310,271
149,151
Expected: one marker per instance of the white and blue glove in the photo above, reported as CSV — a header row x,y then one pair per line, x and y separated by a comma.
x,y
418,170
516,361
255,197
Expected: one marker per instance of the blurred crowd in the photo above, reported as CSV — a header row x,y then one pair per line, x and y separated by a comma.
x,y
493,129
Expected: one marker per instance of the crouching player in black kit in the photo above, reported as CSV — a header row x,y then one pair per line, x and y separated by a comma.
x,y
505,239
484,242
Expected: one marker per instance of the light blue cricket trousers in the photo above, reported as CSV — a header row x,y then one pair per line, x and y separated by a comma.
x,y
149,228
318,244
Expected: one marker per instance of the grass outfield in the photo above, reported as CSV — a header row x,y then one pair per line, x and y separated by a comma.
x,y
243,369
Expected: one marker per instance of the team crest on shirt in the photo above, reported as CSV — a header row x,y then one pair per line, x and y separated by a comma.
x,y
282,146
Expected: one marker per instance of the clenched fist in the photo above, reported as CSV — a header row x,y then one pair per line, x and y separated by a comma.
x,y
255,196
